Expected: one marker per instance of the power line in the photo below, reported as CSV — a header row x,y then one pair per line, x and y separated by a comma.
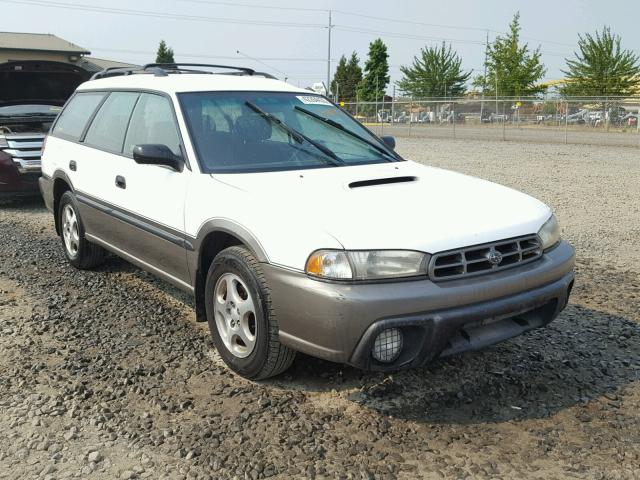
x,y
422,37
403,35
410,22
152,14
246,5
218,57
261,63
452,27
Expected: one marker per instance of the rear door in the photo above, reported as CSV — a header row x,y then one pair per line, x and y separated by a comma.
x,y
102,159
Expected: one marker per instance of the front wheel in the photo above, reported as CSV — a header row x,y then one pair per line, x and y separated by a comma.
x,y
79,251
240,317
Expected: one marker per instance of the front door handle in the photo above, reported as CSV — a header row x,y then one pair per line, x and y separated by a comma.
x,y
121,182
72,165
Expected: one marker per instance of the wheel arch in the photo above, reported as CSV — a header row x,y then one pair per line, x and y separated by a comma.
x,y
61,184
213,237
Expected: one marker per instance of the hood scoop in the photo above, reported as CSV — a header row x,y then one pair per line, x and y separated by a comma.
x,y
381,181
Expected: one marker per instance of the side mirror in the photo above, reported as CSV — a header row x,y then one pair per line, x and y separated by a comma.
x,y
389,141
157,154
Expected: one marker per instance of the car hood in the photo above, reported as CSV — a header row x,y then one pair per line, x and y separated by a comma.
x,y
39,82
401,205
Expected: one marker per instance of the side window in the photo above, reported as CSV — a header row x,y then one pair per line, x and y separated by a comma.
x,y
152,122
110,123
73,119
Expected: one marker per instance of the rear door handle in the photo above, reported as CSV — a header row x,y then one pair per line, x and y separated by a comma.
x,y
72,165
121,182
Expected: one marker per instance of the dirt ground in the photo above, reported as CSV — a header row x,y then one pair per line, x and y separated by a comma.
x,y
105,374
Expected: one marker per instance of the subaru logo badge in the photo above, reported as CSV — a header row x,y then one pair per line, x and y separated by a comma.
x,y
494,257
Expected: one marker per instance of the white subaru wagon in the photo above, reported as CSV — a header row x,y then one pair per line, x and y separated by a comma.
x,y
295,228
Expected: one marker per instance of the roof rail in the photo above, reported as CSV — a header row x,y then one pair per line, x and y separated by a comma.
x,y
176,67
164,69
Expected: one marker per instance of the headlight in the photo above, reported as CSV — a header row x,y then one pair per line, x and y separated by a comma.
x,y
549,233
366,264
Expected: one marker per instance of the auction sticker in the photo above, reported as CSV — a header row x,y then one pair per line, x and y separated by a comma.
x,y
313,100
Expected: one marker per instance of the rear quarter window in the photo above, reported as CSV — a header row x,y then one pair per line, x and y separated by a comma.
x,y
75,116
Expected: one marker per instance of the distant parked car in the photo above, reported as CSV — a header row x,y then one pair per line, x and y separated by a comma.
x,y
495,117
31,95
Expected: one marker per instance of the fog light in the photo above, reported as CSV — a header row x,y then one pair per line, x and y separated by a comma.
x,y
387,345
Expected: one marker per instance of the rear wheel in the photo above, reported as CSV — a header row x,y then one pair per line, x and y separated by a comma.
x,y
240,317
79,252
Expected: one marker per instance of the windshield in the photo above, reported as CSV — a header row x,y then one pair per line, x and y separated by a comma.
x,y
29,110
237,132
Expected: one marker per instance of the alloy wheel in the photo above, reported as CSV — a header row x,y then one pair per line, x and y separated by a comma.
x,y
235,315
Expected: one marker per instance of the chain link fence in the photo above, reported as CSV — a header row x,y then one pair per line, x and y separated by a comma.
x,y
593,121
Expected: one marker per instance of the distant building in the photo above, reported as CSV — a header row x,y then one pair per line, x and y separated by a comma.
x,y
16,46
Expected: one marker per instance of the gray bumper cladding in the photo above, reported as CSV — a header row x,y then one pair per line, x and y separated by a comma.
x,y
339,321
456,330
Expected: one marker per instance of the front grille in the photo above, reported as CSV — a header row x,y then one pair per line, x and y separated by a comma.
x,y
486,258
26,151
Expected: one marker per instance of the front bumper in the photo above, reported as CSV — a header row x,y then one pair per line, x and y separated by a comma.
x,y
339,322
12,182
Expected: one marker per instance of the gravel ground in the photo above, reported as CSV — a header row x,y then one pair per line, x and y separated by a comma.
x,y
105,374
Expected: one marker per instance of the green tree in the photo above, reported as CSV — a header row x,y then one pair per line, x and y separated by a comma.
x,y
376,73
436,72
165,54
511,67
602,67
340,77
347,78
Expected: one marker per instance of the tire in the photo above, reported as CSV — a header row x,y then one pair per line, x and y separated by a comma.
x,y
80,253
240,316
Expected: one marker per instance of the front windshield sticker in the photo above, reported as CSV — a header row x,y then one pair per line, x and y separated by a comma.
x,y
313,100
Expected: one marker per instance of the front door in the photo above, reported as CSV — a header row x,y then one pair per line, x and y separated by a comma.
x,y
152,196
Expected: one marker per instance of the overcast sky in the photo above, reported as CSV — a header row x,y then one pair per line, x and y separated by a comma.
x,y
297,45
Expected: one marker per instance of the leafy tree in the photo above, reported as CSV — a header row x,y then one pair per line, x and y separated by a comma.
x,y
602,67
165,54
347,78
511,67
376,73
436,72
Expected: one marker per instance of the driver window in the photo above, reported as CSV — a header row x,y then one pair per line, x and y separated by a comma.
x,y
152,122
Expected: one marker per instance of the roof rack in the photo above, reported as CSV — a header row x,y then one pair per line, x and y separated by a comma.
x,y
165,69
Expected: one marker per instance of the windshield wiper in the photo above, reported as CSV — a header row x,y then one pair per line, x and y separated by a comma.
x,y
342,128
296,135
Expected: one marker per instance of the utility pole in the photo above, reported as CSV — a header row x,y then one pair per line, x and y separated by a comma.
x,y
393,99
329,55
496,74
376,96
484,78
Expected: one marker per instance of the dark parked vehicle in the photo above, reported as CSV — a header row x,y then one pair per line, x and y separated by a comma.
x,y
31,95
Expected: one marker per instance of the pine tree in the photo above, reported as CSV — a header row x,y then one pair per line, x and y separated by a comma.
x,y
347,78
511,68
165,54
340,77
436,72
602,67
376,73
